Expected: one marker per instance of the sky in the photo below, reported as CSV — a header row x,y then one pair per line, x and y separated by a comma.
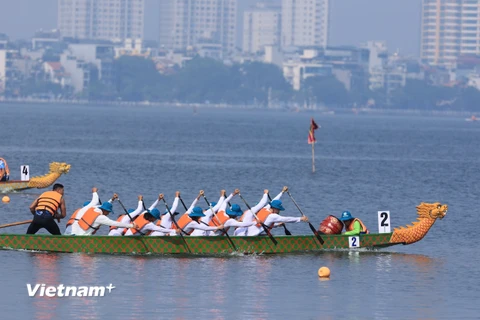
x,y
351,21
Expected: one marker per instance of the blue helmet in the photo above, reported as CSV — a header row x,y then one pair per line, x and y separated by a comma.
x,y
346,215
197,212
277,204
155,212
234,210
107,206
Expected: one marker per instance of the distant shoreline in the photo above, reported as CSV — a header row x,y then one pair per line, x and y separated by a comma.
x,y
292,108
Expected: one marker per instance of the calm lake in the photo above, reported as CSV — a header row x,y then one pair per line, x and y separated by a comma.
x,y
364,164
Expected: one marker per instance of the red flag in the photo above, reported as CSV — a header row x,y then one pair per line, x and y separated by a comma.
x,y
311,132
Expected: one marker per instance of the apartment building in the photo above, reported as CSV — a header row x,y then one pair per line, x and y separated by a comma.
x,y
113,20
449,28
305,23
261,27
188,24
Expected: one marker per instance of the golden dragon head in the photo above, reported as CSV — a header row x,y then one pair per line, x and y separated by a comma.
x,y
59,167
432,210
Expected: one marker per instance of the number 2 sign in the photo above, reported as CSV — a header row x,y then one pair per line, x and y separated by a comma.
x,y
384,222
354,242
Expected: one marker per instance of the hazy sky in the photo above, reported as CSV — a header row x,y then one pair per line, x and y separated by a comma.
x,y
351,21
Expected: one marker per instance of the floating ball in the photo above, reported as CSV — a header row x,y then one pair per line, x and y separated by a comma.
x,y
324,272
6,199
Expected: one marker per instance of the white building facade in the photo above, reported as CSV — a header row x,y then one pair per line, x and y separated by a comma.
x,y
449,28
192,23
305,23
261,27
114,20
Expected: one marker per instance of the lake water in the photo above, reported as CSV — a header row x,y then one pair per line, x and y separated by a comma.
x,y
363,164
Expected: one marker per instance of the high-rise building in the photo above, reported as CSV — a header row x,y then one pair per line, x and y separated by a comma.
x,y
305,23
193,23
114,20
449,28
261,27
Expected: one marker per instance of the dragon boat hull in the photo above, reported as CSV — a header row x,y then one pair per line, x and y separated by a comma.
x,y
188,245
13,185
39,182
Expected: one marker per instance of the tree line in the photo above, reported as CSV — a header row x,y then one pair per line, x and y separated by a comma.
x,y
203,80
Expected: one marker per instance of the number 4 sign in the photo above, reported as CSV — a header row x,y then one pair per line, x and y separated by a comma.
x,y
384,222
25,173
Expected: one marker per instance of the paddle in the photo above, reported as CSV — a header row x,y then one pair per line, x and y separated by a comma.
x,y
176,224
126,211
288,233
15,223
319,237
223,229
265,228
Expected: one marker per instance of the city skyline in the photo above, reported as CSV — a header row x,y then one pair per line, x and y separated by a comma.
x,y
351,21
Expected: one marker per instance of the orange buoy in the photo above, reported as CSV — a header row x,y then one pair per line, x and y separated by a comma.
x,y
324,272
6,199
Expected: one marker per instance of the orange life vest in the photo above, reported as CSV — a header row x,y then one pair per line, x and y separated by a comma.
x,y
72,218
364,228
88,218
118,220
49,201
140,222
262,215
183,221
218,219
222,218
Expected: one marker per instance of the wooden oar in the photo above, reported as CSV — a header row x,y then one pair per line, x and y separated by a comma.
x,y
319,237
126,211
265,228
15,223
223,230
176,224
288,233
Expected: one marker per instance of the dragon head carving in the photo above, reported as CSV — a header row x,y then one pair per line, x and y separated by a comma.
x,y
59,167
432,210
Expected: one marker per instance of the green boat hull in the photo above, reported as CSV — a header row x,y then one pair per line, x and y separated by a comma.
x,y
188,245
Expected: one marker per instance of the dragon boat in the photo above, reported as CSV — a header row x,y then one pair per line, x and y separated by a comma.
x,y
428,213
39,182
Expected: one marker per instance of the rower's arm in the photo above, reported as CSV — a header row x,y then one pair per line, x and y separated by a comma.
x,y
63,209
33,206
356,229
261,204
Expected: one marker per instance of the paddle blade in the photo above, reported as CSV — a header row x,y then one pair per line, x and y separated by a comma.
x,y
316,233
287,232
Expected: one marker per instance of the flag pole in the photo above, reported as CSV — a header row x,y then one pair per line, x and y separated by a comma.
x,y
313,157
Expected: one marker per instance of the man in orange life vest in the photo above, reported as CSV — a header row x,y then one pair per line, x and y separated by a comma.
x,y
44,210
353,226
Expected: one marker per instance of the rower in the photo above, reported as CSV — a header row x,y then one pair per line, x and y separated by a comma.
x,y
145,224
270,216
191,222
229,218
95,202
93,218
129,216
166,220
